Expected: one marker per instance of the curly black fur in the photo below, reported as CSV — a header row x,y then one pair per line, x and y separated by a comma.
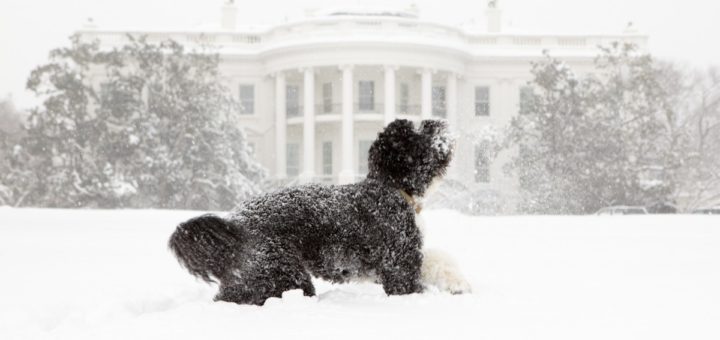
x,y
275,242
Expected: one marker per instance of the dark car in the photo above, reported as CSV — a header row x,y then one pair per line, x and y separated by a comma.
x,y
662,208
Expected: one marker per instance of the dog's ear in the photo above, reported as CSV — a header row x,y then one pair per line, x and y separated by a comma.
x,y
393,155
395,142
433,127
438,134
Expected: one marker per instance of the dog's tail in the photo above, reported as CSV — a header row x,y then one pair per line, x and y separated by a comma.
x,y
205,245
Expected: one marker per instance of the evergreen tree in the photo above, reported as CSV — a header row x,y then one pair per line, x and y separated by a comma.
x,y
62,133
593,141
161,130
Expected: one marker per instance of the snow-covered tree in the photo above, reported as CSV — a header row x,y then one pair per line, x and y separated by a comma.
x,y
161,130
10,134
697,94
596,140
62,133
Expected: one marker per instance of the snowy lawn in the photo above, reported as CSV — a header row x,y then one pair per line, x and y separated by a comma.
x,y
108,275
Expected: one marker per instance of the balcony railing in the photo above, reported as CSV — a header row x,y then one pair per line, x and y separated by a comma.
x,y
439,111
294,111
361,108
408,109
327,179
373,107
328,109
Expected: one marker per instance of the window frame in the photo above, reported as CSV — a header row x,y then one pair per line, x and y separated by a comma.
x,y
439,109
327,97
292,162
479,102
327,158
524,92
292,110
242,101
404,98
366,102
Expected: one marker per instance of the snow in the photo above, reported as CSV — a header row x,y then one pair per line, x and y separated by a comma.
x,y
94,274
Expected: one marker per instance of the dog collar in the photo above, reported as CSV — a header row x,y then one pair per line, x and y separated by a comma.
x,y
416,206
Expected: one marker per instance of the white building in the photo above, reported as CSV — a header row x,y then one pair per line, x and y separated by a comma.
x,y
316,91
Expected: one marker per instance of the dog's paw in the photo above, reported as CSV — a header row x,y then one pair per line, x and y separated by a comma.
x,y
439,270
456,285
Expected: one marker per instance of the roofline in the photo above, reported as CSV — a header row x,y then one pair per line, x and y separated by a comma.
x,y
467,33
344,18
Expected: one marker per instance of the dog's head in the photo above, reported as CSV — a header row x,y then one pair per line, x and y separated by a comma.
x,y
408,158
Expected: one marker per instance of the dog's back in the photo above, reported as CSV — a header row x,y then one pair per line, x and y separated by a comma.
x,y
340,231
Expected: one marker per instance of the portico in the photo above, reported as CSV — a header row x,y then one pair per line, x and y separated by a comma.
x,y
339,97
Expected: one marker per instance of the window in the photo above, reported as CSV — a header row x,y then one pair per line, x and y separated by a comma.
x,y
438,101
482,164
404,98
327,158
293,159
327,98
247,99
366,96
526,97
105,91
363,154
292,100
482,101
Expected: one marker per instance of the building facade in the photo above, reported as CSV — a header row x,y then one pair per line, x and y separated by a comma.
x,y
314,92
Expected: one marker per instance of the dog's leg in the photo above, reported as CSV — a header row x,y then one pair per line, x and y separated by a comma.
x,y
439,270
401,274
273,270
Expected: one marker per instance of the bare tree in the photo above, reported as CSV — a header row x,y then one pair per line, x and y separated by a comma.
x,y
701,123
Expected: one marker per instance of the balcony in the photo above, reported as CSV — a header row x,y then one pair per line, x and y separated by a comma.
x,y
367,110
294,111
368,107
406,109
328,108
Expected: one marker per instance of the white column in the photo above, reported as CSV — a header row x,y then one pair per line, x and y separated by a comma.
x,y
347,174
451,100
426,94
308,172
390,94
280,126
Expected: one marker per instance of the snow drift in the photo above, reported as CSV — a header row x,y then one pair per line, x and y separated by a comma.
x,y
94,274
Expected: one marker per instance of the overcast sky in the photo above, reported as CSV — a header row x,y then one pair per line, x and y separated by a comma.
x,y
687,31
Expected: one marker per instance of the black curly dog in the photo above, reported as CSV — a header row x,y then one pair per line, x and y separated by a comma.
x,y
275,242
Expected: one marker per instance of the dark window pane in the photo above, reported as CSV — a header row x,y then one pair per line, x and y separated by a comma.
x,y
482,101
439,107
247,99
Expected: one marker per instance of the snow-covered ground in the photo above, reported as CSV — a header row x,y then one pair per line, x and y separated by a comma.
x,y
108,275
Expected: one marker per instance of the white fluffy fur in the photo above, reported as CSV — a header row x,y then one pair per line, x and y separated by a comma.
x,y
439,269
